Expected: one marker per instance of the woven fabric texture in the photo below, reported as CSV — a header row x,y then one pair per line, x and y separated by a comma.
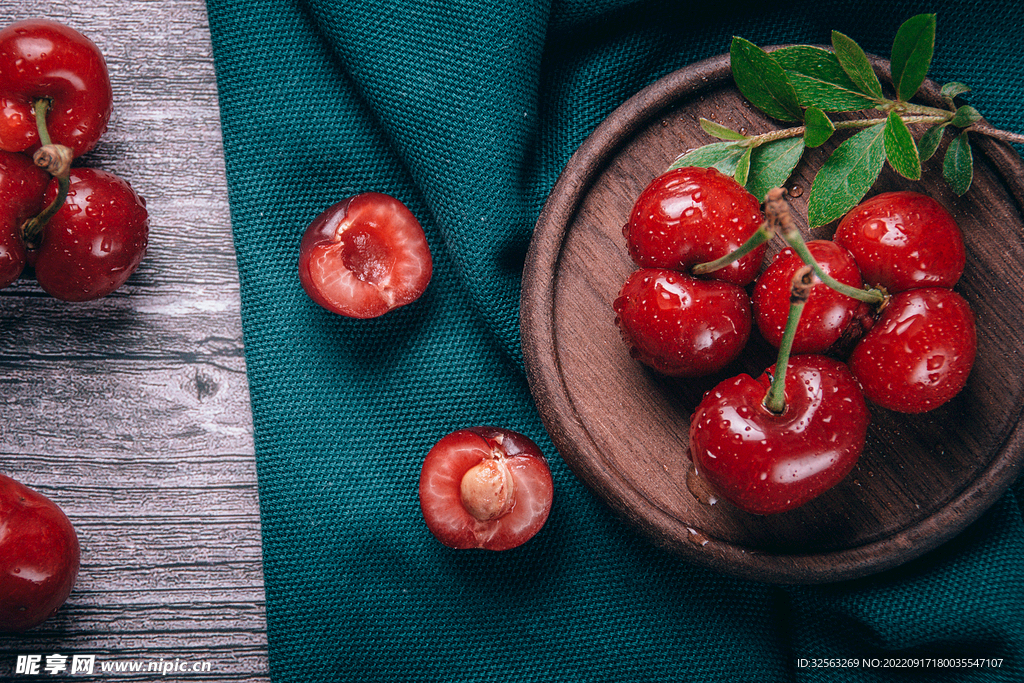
x,y
467,110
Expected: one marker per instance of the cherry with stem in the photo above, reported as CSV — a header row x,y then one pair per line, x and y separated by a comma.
x,y
771,444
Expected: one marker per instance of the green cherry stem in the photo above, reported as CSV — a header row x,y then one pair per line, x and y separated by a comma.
x,y
803,280
777,210
756,239
57,160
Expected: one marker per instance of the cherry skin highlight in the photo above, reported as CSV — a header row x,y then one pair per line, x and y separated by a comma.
x,y
919,353
95,241
767,463
22,187
39,557
694,215
42,59
682,326
485,487
903,240
364,257
827,316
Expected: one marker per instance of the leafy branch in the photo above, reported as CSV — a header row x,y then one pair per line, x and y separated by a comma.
x,y
809,86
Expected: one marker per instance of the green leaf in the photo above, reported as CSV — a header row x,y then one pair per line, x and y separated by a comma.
x,y
912,51
763,81
721,155
771,165
953,90
818,127
856,65
819,80
929,142
719,131
958,166
900,148
846,176
965,116
742,168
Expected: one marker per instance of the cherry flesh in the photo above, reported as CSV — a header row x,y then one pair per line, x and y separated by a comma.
x,y
365,256
827,316
903,240
95,241
767,463
682,326
485,487
919,353
44,60
694,215
22,187
39,557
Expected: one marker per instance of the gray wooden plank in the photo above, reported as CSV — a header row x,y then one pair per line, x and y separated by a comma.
x,y
133,412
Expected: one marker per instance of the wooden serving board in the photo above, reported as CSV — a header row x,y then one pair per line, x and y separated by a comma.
x,y
623,429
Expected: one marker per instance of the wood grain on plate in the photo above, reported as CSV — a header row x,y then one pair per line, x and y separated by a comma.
x,y
132,412
623,429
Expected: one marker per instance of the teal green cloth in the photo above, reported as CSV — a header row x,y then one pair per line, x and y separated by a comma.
x,y
467,111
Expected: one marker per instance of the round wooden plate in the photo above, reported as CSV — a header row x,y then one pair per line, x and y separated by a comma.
x,y
623,429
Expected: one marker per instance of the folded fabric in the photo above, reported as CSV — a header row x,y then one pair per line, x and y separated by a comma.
x,y
467,111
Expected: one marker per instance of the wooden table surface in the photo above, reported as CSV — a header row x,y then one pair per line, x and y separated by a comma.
x,y
132,412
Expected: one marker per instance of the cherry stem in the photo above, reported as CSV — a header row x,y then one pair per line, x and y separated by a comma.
x,y
42,108
33,227
756,239
803,280
778,211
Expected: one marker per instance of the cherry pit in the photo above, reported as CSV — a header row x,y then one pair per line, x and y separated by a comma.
x,y
870,316
83,231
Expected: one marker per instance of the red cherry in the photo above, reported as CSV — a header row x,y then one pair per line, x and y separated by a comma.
x,y
22,185
42,59
365,256
827,314
919,353
682,326
903,240
692,215
485,487
95,241
39,557
767,463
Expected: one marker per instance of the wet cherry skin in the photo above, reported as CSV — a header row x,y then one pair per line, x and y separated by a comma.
x,y
919,353
903,240
39,557
682,326
95,241
827,316
692,215
41,59
767,463
365,256
22,187
485,487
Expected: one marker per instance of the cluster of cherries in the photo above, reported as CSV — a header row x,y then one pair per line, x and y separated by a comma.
x,y
870,315
83,231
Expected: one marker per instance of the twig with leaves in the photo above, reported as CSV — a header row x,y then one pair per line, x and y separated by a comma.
x,y
805,84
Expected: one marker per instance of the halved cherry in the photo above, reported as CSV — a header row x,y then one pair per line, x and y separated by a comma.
x,y
365,256
485,487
